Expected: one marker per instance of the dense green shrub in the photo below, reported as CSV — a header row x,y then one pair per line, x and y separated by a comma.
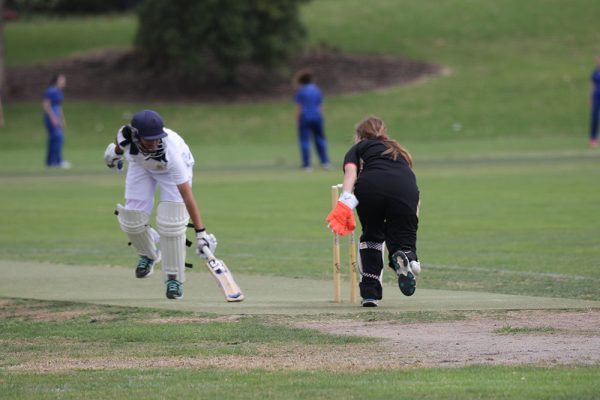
x,y
213,37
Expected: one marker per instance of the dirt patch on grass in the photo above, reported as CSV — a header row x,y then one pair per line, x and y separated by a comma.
x,y
4,303
272,357
540,338
40,312
191,320
118,75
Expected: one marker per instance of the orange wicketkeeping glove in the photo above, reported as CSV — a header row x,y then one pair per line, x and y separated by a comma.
x,y
341,218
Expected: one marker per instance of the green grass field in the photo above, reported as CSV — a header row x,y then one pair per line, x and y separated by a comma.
x,y
469,383
509,200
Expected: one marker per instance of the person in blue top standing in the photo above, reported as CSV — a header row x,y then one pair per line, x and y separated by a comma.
x,y
595,103
309,118
54,120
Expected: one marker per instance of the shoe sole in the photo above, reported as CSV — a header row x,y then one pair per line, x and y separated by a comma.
x,y
407,284
406,279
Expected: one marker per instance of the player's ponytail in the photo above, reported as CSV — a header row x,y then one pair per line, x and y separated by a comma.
x,y
374,128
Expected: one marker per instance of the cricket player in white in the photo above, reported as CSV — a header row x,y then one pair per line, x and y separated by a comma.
x,y
157,156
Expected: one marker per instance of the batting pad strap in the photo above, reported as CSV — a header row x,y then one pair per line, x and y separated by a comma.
x,y
370,245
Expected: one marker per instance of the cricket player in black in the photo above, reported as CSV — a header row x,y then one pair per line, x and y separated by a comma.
x,y
386,197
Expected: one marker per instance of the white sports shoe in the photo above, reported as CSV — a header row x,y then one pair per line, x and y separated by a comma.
x,y
369,303
415,267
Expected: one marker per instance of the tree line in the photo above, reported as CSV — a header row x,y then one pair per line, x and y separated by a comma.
x,y
196,39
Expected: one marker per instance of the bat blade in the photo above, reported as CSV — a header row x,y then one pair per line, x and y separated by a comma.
x,y
224,278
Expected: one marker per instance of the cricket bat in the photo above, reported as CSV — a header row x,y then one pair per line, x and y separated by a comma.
x,y
219,270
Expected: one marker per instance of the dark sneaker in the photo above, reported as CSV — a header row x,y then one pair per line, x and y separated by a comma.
x,y
407,284
406,279
369,303
174,289
145,267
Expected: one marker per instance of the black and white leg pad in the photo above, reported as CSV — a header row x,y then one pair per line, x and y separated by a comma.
x,y
371,255
135,224
171,224
370,266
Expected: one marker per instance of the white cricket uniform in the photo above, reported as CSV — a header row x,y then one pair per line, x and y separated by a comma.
x,y
144,173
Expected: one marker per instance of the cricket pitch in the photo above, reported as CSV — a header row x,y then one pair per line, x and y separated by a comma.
x,y
264,295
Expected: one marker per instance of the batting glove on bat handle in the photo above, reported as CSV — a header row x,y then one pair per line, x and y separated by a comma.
x,y
205,239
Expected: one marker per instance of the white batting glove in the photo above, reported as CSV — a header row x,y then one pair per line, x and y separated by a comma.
x,y
349,199
112,159
205,239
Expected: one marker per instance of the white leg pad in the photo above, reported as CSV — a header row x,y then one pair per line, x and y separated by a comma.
x,y
135,224
171,224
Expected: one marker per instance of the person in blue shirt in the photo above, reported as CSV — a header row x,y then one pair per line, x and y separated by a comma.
x,y
309,118
54,120
595,103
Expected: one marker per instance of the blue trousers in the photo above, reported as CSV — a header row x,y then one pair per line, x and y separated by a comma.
x,y
594,115
305,129
55,145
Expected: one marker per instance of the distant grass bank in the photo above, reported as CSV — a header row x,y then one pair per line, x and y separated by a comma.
x,y
516,69
44,39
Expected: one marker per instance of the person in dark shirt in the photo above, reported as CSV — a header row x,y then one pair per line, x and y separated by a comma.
x,y
309,119
595,103
386,198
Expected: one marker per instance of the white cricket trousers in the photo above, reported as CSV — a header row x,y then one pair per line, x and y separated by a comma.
x,y
140,187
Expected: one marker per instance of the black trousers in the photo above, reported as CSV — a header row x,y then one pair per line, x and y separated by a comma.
x,y
387,211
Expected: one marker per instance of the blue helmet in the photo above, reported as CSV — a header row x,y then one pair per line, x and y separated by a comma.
x,y
148,125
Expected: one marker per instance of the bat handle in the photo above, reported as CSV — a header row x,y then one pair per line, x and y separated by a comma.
x,y
209,254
